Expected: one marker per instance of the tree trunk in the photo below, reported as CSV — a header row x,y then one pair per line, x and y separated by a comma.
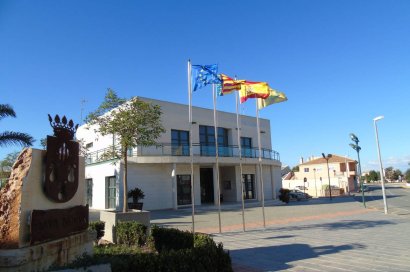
x,y
125,181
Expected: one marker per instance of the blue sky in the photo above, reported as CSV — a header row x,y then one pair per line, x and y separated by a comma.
x,y
341,63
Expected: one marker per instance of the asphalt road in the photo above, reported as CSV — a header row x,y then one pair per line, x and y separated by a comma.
x,y
397,198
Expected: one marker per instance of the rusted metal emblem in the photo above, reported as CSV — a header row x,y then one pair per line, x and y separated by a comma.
x,y
61,177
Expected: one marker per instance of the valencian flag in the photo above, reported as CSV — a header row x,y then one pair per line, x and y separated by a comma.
x,y
228,85
251,89
203,75
274,97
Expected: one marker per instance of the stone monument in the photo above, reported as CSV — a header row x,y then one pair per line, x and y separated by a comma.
x,y
43,216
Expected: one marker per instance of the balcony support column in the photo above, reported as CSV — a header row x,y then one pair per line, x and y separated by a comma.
x,y
174,186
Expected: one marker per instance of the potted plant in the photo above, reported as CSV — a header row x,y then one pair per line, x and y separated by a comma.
x,y
136,194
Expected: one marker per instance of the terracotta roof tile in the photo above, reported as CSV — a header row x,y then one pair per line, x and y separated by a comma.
x,y
333,159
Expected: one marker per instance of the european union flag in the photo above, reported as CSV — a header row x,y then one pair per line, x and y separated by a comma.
x,y
203,75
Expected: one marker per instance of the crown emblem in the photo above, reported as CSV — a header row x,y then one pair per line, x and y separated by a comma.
x,y
62,128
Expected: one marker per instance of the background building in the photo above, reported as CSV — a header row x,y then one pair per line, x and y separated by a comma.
x,y
342,172
163,172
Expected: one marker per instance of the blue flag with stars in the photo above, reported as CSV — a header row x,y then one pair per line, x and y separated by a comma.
x,y
203,75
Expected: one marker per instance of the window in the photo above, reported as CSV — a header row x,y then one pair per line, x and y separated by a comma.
x,y
248,186
207,141
111,192
89,145
306,170
89,191
184,189
246,146
180,142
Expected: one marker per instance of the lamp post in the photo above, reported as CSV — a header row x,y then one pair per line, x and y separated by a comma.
x,y
314,173
328,173
380,161
356,147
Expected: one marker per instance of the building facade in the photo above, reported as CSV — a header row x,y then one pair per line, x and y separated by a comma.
x,y
313,175
163,171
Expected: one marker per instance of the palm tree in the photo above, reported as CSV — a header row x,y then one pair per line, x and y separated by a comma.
x,y
10,137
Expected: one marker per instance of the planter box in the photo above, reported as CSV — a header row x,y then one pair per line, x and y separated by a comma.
x,y
111,218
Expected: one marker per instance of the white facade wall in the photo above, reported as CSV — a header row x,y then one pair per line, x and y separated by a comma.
x,y
152,171
98,173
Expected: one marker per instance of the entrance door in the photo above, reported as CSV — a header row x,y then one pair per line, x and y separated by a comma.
x,y
184,189
207,185
249,186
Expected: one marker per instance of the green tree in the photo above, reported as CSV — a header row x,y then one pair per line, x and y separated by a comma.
x,y
373,176
5,166
135,123
7,163
111,101
392,174
10,137
295,168
407,175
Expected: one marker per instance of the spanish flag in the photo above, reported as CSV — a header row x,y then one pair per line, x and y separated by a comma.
x,y
229,85
251,89
274,97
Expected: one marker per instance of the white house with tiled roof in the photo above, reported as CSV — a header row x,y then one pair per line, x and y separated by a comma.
x,y
313,174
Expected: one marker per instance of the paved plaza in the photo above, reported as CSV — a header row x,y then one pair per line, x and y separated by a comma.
x,y
368,241
314,235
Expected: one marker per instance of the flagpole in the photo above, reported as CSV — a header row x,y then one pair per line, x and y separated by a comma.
x,y
218,189
190,147
260,162
240,158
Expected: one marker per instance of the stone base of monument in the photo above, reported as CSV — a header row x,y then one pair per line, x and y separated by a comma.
x,y
41,256
111,218
35,230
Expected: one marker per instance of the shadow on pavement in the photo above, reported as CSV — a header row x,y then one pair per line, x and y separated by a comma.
x,y
275,258
370,198
344,224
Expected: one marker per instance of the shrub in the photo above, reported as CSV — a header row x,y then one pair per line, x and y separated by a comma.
x,y
99,227
131,233
205,256
171,239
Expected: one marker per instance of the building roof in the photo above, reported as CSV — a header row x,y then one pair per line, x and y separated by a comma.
x,y
333,159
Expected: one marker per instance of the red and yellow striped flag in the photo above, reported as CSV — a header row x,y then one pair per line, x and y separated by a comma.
x,y
229,85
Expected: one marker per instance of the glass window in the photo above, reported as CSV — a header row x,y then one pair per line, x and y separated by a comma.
x,y
306,170
246,147
184,189
111,195
89,191
89,145
180,142
207,141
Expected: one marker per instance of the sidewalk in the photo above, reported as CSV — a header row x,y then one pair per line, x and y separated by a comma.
x,y
313,235
367,241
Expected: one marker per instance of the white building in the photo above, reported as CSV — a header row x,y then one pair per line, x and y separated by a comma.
x,y
163,172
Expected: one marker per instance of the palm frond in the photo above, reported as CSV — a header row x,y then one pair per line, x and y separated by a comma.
x,y
11,138
6,110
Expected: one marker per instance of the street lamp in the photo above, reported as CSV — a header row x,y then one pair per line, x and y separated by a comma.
x,y
314,172
380,160
356,147
328,174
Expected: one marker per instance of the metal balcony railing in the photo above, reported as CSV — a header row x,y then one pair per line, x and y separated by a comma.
x,y
167,149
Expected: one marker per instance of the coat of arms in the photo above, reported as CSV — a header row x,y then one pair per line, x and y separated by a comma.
x,y
61,174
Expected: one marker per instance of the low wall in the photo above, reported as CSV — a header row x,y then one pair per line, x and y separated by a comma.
x,y
40,257
111,218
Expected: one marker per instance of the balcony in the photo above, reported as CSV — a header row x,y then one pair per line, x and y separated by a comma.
x,y
165,149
